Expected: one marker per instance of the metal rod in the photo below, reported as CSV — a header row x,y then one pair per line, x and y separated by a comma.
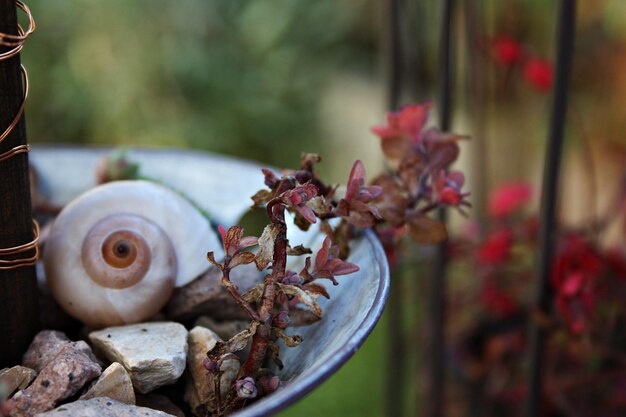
x,y
396,350
437,314
19,312
543,297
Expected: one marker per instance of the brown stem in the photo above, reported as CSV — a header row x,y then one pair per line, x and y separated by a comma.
x,y
217,379
263,335
233,290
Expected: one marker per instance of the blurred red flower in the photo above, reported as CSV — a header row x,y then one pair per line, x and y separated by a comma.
x,y
538,73
497,301
508,198
575,270
507,51
497,248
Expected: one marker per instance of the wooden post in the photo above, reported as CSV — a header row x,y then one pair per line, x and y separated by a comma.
x,y
19,311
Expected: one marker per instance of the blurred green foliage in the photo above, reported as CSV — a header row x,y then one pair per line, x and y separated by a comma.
x,y
239,77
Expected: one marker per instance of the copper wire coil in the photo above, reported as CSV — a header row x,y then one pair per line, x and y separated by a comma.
x,y
20,249
16,44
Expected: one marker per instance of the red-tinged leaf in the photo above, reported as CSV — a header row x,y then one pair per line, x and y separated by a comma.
x,y
318,289
355,181
222,230
303,296
248,241
270,179
360,219
322,255
443,155
338,266
396,147
370,192
343,208
413,117
307,213
426,230
265,254
211,257
242,258
231,239
408,122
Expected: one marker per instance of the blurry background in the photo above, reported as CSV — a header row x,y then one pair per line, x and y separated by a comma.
x,y
268,79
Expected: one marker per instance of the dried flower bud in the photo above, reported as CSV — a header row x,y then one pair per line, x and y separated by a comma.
x,y
246,388
292,278
211,365
270,385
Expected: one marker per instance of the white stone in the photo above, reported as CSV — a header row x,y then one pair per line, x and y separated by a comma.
x,y
102,407
114,383
154,354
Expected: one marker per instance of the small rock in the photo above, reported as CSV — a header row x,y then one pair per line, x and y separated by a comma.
x,y
44,347
18,377
199,389
114,383
224,329
102,407
159,402
154,354
60,379
206,296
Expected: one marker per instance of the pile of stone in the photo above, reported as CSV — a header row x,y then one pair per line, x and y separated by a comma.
x,y
115,373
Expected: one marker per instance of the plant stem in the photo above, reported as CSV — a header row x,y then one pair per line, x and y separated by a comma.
x,y
263,335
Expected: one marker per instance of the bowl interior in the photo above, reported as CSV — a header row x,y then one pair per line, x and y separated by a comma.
x,y
222,186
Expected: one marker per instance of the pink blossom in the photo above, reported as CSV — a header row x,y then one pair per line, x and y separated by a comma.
x,y
508,198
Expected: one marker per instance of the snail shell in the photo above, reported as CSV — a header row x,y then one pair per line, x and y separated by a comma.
x,y
116,252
